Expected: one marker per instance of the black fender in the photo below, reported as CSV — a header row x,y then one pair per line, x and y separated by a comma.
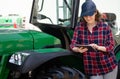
x,y
35,59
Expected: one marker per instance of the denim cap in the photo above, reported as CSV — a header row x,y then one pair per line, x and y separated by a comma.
x,y
88,8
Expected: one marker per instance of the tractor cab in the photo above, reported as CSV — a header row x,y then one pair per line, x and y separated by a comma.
x,y
57,17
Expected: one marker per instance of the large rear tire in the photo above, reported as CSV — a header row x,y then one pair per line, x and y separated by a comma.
x,y
61,72
117,53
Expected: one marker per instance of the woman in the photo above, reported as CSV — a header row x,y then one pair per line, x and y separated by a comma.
x,y
100,64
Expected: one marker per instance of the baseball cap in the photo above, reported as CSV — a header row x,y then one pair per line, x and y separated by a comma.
x,y
88,8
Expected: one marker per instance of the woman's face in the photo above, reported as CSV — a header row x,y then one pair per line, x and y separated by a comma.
x,y
90,19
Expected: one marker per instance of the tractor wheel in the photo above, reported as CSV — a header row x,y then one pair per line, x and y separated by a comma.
x,y
62,72
118,74
117,53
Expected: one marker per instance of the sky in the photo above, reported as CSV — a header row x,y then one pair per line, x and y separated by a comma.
x,y
21,7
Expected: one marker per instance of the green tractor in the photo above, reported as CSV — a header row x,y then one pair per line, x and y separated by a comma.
x,y
44,54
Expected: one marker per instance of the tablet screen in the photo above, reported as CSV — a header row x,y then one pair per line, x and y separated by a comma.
x,y
90,48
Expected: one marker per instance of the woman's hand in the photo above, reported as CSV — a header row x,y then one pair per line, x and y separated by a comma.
x,y
95,46
100,48
80,50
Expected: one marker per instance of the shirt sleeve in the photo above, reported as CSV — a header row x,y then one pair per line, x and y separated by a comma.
x,y
110,43
75,37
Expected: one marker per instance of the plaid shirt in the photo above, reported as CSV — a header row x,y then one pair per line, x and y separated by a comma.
x,y
96,63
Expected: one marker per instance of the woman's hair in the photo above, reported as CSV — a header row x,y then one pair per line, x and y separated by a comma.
x,y
97,17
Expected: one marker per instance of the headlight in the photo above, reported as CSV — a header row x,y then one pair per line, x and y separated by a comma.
x,y
18,58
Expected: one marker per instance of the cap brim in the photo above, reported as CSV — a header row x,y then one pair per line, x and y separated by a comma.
x,y
87,13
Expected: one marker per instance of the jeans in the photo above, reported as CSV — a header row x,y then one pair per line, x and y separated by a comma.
x,y
110,75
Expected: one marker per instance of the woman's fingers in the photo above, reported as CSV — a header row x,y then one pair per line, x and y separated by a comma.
x,y
82,49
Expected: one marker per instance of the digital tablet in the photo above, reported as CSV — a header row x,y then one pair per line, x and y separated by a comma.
x,y
90,48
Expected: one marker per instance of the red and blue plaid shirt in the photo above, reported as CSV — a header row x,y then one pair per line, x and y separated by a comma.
x,y
96,63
